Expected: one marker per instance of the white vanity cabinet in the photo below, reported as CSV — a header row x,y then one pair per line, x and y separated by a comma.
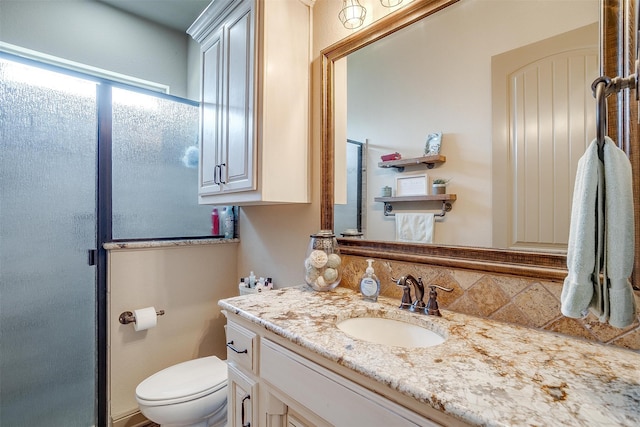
x,y
255,91
242,401
288,389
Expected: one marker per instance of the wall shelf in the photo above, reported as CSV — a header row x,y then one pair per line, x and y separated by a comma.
x,y
426,198
430,161
446,200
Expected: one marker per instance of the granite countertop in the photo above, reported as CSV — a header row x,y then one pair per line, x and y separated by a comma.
x,y
485,373
146,244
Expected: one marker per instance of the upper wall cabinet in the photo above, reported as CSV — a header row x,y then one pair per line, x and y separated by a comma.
x,y
255,83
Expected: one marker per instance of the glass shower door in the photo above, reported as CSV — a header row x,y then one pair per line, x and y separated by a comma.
x,y
47,223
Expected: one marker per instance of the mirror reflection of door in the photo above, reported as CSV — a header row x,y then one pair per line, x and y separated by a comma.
x,y
349,215
543,120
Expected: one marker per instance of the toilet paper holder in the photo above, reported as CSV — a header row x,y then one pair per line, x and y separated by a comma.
x,y
127,317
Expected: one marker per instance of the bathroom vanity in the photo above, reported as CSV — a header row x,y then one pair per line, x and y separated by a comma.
x,y
290,365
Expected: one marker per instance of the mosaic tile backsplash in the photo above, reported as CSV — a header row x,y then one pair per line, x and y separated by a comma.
x,y
523,301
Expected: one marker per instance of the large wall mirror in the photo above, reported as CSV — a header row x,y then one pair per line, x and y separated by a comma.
x,y
441,66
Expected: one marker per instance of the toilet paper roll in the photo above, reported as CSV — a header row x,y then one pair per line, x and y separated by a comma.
x,y
145,318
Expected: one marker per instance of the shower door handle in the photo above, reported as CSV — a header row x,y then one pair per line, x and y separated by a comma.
x,y
92,256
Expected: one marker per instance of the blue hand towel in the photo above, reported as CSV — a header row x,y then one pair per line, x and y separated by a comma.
x,y
585,243
620,245
601,239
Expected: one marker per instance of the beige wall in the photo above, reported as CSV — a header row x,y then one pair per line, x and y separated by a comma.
x,y
406,86
275,238
186,282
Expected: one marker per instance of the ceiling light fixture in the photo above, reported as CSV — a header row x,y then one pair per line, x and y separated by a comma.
x,y
352,14
390,3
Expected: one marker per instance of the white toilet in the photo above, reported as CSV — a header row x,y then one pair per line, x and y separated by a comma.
x,y
189,394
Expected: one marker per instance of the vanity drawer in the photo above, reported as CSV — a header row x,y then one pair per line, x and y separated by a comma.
x,y
241,344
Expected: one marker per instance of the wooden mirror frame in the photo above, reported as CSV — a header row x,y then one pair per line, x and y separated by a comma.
x,y
617,36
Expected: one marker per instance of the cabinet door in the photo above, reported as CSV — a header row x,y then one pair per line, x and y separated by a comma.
x,y
238,165
242,399
327,396
211,112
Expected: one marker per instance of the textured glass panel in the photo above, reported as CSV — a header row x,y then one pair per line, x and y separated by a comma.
x,y
155,168
47,223
346,215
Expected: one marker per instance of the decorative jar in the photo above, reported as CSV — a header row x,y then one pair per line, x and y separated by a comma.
x,y
322,264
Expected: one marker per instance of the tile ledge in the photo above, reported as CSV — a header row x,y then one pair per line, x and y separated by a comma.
x,y
165,243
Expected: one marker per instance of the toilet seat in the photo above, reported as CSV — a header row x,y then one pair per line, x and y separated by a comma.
x,y
183,382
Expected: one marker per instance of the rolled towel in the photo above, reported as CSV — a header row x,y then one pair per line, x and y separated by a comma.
x,y
578,288
620,235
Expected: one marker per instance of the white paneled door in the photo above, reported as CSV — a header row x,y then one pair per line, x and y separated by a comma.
x,y
545,119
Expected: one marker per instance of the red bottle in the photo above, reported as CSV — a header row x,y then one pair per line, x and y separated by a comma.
x,y
215,222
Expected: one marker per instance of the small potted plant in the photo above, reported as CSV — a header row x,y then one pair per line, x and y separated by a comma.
x,y
439,186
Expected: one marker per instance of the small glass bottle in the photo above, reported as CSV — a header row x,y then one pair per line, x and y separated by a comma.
x,y
322,262
215,222
229,222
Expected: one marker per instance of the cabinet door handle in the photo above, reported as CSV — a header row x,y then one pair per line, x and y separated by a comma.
x,y
216,175
242,412
230,345
221,181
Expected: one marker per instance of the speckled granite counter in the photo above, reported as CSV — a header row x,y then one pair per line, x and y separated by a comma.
x,y
485,373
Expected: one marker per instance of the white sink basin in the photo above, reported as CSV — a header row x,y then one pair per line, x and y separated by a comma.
x,y
379,330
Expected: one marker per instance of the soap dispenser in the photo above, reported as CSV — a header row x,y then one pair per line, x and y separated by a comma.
x,y
369,284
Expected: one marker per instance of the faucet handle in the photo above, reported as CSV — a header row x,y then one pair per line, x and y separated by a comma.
x,y
432,304
405,303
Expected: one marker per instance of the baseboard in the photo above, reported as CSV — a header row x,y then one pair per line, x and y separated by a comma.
x,y
135,419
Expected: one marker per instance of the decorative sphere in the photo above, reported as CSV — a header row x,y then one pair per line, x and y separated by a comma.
x,y
318,258
312,274
330,275
320,283
333,261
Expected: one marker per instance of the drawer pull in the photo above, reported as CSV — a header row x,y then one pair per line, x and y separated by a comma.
x,y
230,345
242,411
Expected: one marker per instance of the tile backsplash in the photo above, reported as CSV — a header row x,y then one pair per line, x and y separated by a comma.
x,y
512,299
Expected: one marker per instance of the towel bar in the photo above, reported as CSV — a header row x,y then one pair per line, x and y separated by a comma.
x,y
446,207
604,86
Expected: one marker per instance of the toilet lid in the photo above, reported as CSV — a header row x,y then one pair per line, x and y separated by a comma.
x,y
184,381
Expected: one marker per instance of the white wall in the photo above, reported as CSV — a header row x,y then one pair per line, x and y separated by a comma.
x,y
95,34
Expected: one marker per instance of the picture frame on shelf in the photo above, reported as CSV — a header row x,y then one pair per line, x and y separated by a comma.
x,y
433,144
414,185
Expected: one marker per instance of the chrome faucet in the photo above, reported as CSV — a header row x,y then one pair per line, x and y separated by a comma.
x,y
405,282
431,307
